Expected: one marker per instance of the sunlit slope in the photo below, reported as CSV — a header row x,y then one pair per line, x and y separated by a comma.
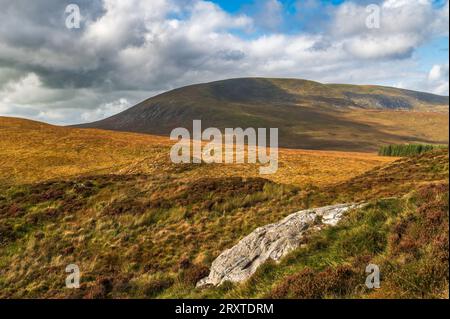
x,y
148,236
309,115
32,151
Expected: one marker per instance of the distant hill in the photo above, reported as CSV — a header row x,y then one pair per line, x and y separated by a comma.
x,y
38,152
310,115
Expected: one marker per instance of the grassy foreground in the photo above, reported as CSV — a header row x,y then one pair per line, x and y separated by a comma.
x,y
389,233
151,230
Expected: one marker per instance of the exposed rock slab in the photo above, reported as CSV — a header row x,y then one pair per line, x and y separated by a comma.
x,y
270,242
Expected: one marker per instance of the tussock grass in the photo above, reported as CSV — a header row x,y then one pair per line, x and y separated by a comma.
x,y
390,233
152,229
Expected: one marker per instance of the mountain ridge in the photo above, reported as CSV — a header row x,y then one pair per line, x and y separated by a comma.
x,y
309,114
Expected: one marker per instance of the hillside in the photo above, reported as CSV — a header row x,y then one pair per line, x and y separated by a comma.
x,y
141,234
36,152
141,227
32,151
309,115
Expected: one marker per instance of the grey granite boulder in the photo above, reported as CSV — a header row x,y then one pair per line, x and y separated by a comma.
x,y
270,242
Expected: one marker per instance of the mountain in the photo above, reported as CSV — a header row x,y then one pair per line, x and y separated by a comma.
x,y
309,115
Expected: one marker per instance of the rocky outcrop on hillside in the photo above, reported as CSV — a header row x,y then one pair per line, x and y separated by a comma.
x,y
270,242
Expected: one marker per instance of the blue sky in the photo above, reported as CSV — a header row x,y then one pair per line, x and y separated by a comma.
x,y
432,52
237,5
291,10
127,51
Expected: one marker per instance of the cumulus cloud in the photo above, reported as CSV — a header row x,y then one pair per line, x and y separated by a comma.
x,y
268,14
404,25
126,51
106,110
438,79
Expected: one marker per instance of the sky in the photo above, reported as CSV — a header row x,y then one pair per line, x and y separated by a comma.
x,y
127,51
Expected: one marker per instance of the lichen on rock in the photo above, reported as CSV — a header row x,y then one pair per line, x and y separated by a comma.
x,y
273,241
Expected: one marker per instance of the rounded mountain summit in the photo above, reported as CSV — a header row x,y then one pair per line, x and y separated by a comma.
x,y
309,115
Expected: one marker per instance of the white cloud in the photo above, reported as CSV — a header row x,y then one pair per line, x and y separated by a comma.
x,y
106,110
28,97
26,90
270,14
379,47
438,79
405,25
434,81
